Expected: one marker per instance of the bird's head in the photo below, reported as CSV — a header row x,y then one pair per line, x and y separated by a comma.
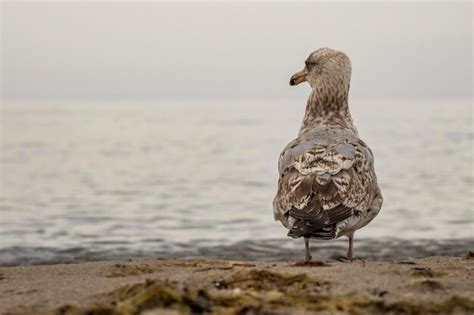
x,y
325,68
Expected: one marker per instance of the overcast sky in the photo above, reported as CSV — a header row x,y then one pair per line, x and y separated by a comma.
x,y
210,50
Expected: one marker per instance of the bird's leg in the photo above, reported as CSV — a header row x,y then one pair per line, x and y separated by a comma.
x,y
349,250
350,253
307,257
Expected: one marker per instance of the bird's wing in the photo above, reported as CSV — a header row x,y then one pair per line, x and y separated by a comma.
x,y
325,178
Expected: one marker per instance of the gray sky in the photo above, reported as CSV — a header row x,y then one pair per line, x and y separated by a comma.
x,y
231,50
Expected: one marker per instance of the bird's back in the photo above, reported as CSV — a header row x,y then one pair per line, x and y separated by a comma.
x,y
327,185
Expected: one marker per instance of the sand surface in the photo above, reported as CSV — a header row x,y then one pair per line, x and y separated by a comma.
x,y
174,286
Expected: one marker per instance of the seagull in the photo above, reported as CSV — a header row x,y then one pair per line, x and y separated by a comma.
x,y
327,186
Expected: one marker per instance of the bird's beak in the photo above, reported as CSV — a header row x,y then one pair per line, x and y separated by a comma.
x,y
299,77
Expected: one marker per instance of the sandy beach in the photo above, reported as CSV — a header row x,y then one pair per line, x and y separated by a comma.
x,y
440,285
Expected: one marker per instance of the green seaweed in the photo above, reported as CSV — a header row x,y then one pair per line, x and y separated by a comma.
x,y
426,272
313,263
263,280
429,284
155,296
84,310
453,305
127,270
140,297
257,291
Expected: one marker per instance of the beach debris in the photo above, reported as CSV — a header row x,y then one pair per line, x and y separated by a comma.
x,y
427,272
452,305
378,292
220,284
243,265
406,262
429,284
469,255
142,296
127,270
84,310
278,294
262,279
200,303
256,290
422,271
421,268
225,267
311,263
214,268
194,263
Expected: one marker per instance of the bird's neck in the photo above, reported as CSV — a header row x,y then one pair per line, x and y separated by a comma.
x,y
325,110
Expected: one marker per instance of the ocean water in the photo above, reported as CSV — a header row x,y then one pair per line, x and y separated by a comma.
x,y
102,180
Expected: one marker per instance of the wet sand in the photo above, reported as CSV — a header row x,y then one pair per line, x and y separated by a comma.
x,y
443,285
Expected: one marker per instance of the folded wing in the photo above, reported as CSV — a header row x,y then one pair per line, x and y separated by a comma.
x,y
325,178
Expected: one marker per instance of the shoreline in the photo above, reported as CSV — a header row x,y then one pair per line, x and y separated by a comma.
x,y
271,249
176,286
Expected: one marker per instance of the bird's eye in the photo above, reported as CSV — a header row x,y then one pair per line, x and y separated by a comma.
x,y
310,63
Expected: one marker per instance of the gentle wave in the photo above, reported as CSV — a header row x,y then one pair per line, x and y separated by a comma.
x,y
100,181
268,250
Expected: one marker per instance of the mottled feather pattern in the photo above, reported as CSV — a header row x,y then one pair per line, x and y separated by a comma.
x,y
327,185
320,171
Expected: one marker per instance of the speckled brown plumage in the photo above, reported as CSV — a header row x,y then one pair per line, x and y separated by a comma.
x,y
327,186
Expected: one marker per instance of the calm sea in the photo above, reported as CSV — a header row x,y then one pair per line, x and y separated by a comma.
x,y
87,181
